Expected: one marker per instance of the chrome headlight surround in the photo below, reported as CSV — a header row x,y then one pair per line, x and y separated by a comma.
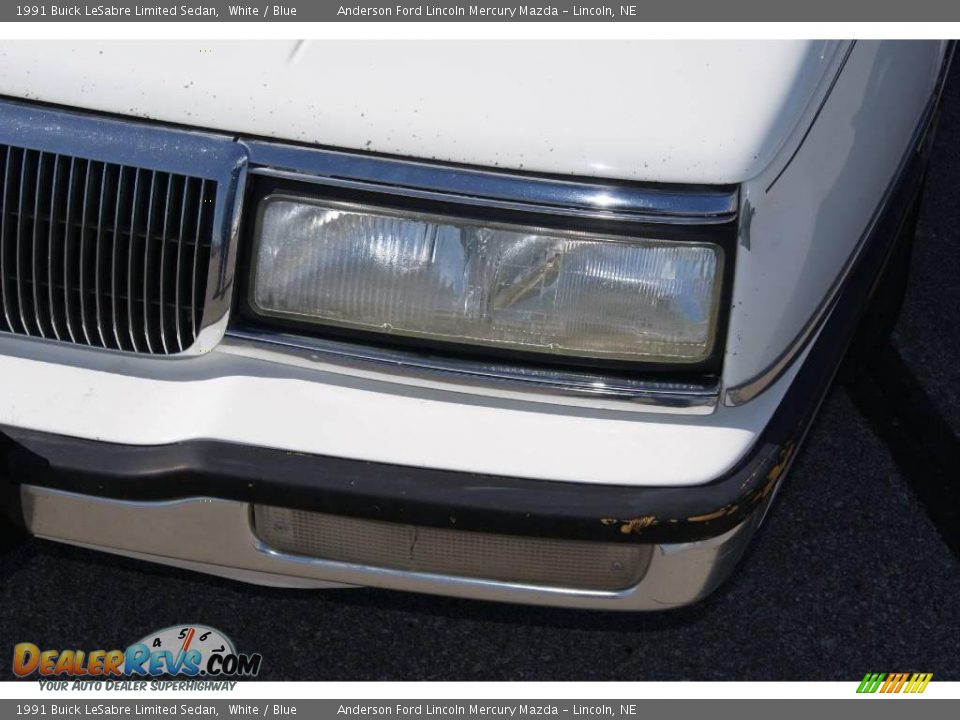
x,y
699,215
454,281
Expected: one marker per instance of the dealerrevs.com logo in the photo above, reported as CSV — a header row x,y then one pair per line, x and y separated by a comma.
x,y
180,650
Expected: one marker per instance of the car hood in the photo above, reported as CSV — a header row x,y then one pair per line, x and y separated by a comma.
x,y
690,111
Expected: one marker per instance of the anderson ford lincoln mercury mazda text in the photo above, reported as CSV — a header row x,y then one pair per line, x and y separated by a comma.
x,y
536,322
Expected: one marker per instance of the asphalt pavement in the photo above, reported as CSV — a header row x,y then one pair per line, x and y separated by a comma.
x,y
856,569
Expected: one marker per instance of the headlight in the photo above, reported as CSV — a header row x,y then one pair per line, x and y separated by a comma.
x,y
503,286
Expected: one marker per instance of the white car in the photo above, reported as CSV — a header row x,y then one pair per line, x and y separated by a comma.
x,y
532,322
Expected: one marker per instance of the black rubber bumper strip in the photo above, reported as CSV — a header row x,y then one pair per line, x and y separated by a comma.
x,y
441,498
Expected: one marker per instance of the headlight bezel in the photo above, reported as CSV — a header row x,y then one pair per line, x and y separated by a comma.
x,y
721,235
520,234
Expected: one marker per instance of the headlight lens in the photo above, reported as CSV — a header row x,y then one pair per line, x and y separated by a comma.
x,y
505,286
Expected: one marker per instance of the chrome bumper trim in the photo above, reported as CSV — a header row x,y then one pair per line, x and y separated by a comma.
x,y
591,389
216,536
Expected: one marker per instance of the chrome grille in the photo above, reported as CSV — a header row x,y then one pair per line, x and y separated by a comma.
x,y
103,254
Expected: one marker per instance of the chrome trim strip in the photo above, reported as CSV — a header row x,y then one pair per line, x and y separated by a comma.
x,y
816,115
281,347
217,536
747,391
217,158
501,190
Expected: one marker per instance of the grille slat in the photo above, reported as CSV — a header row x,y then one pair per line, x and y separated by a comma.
x,y
7,184
194,320
134,205
176,294
114,275
163,261
67,246
24,164
96,258
102,254
51,245
37,195
83,253
146,259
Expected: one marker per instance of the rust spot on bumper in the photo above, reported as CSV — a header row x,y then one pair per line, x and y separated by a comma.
x,y
637,525
709,516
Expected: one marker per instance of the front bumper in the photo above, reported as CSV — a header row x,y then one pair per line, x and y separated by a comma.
x,y
217,537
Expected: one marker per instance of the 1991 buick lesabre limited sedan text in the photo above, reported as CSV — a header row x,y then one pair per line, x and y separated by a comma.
x,y
534,322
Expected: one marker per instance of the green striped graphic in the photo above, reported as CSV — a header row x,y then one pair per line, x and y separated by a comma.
x,y
871,682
